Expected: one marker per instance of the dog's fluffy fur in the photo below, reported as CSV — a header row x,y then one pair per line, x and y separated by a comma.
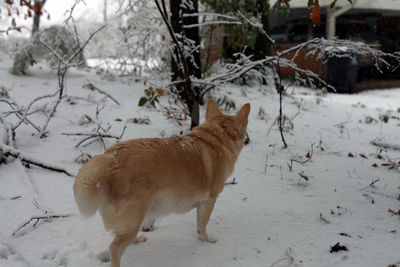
x,y
136,181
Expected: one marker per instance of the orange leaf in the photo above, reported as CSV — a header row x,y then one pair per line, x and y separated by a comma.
x,y
386,164
308,155
163,37
159,92
315,16
375,165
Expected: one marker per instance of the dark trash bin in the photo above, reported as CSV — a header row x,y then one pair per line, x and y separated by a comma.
x,y
341,72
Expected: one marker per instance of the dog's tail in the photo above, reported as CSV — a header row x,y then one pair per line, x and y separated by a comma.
x,y
87,186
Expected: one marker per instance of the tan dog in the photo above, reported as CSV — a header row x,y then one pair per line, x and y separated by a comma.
x,y
136,181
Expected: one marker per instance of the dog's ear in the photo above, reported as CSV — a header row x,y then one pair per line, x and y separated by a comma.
x,y
243,115
212,110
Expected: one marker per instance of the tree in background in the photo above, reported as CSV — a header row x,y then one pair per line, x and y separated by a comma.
x,y
237,37
27,8
37,7
183,15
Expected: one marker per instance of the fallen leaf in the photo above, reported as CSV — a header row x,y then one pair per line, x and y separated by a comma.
x,y
337,247
363,156
394,212
345,234
305,177
375,165
350,155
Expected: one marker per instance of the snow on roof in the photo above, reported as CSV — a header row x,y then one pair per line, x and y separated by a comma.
x,y
361,4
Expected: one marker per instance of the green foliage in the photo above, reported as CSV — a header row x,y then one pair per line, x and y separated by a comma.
x,y
282,6
150,97
237,36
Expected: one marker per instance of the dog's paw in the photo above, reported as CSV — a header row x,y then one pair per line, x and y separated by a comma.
x,y
146,228
140,239
207,239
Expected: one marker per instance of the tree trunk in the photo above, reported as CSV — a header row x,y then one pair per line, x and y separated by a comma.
x,y
36,23
190,96
195,114
193,34
175,7
262,47
105,11
38,11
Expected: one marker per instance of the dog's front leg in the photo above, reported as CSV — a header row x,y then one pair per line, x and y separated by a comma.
x,y
204,210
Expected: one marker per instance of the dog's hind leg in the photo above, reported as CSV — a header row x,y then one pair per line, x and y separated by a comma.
x,y
127,224
118,245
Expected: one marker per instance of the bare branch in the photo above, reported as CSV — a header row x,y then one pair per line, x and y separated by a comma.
x,y
382,144
301,162
38,218
10,151
92,87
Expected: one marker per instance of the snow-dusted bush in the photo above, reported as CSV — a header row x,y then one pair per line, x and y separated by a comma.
x,y
58,38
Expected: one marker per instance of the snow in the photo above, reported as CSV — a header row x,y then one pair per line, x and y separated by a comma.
x,y
270,212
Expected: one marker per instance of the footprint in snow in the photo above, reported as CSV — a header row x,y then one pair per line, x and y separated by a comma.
x,y
103,256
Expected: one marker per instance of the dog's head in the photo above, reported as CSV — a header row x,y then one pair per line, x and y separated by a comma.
x,y
234,126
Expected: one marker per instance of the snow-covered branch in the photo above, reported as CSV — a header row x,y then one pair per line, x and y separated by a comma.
x,y
10,151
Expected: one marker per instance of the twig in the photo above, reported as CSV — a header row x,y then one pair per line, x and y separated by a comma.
x,y
18,29
96,136
379,143
371,184
92,87
10,198
8,150
301,162
231,183
38,218
323,219
19,115
288,258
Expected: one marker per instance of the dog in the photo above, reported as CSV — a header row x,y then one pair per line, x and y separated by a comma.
x,y
137,181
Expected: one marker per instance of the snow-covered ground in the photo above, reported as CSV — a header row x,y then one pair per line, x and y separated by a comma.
x,y
270,217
